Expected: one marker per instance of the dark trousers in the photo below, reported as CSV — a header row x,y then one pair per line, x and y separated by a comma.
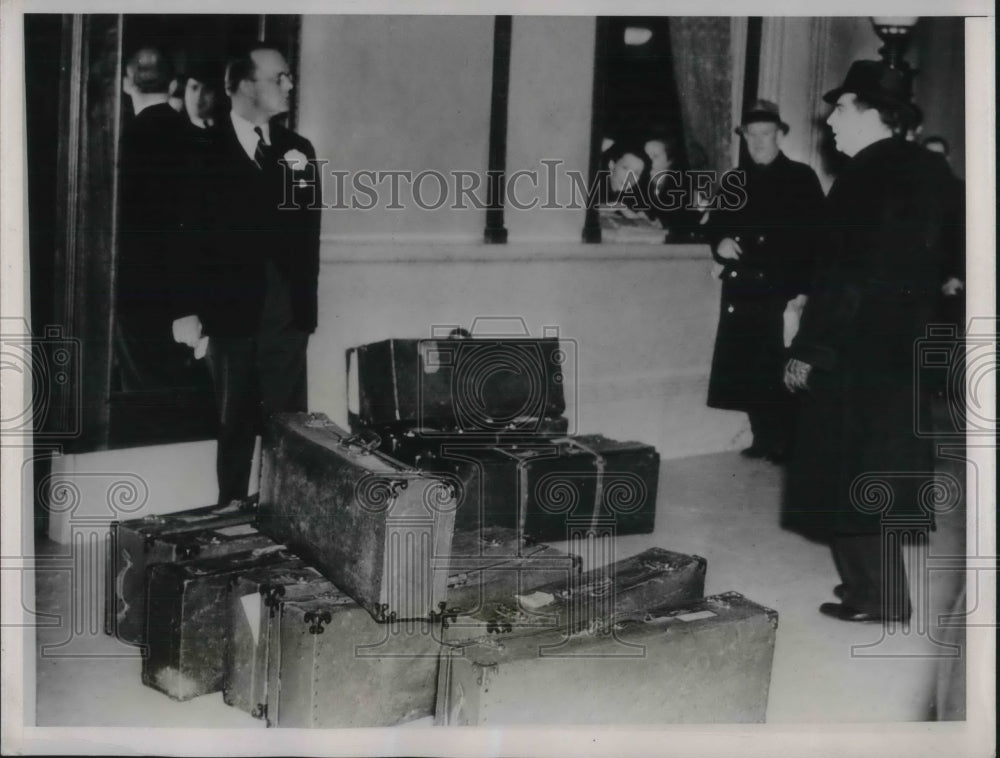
x,y
772,424
253,377
873,573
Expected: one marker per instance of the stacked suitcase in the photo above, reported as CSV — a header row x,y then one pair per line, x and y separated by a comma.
x,y
401,571
490,412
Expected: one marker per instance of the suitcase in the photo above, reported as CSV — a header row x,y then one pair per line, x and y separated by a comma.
x,y
481,567
187,627
654,577
496,563
545,487
477,385
370,524
137,544
253,599
333,666
708,662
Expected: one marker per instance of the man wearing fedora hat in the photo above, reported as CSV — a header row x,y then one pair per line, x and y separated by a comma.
x,y
766,257
861,467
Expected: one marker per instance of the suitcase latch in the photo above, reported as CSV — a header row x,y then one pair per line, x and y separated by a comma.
x,y
271,595
316,620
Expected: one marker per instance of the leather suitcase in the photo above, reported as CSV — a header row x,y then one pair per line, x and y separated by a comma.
x,y
654,577
137,544
187,625
545,487
708,662
331,665
477,385
371,525
400,683
253,599
493,563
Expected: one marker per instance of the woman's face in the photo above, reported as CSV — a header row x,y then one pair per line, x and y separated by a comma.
x,y
199,100
625,172
657,152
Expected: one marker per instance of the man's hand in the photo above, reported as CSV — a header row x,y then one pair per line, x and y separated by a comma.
x,y
791,318
952,287
187,330
729,249
797,375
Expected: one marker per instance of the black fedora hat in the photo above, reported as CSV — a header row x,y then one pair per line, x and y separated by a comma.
x,y
878,84
762,111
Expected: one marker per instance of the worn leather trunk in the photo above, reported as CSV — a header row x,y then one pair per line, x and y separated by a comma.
x,y
253,599
333,666
188,619
370,524
474,385
708,662
137,544
493,563
547,486
654,577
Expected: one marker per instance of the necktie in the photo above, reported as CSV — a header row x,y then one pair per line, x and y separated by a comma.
x,y
260,153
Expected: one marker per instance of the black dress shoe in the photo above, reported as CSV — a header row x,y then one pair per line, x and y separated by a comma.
x,y
845,612
753,452
839,591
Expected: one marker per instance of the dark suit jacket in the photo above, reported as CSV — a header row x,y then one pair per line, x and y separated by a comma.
x,y
247,216
154,180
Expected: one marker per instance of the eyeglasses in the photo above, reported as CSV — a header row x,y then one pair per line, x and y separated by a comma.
x,y
284,76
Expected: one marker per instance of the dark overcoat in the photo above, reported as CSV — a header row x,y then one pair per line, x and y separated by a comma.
x,y
251,217
157,172
774,228
859,460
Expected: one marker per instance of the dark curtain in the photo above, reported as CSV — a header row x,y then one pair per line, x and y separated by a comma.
x,y
703,68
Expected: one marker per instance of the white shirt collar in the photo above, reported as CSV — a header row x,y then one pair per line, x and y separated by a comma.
x,y
246,134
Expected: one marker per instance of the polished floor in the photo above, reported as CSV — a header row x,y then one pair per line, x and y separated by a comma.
x,y
721,506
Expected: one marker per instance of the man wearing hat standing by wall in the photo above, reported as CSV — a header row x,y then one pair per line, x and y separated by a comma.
x,y
861,469
766,255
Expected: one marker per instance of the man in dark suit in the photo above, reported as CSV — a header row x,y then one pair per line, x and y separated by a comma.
x,y
254,282
154,177
765,249
860,475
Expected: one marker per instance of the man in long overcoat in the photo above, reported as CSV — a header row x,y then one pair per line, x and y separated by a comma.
x,y
766,253
861,473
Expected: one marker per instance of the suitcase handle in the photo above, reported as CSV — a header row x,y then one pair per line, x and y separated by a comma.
x,y
502,326
356,441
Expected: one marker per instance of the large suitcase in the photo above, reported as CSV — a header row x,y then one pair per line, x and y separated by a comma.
x,y
477,385
331,665
708,662
137,544
370,524
654,577
543,487
187,628
253,599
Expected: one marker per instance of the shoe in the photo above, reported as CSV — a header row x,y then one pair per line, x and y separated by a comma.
x,y
839,591
753,452
845,612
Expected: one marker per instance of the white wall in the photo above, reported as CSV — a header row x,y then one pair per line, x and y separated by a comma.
x,y
398,93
